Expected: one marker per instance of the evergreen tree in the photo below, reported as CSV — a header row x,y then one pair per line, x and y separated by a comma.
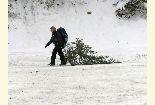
x,y
77,53
133,8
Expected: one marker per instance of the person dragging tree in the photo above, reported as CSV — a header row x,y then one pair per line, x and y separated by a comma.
x,y
59,39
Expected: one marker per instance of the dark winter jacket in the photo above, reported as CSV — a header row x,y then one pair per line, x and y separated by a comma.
x,y
56,39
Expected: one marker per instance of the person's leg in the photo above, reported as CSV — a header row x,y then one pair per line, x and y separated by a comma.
x,y
62,57
53,57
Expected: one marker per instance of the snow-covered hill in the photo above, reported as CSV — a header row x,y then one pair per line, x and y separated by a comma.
x,y
30,20
32,82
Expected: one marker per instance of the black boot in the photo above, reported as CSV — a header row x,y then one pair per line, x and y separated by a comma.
x,y
63,62
52,61
51,64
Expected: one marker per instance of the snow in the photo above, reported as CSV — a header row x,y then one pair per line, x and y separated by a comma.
x,y
101,29
32,82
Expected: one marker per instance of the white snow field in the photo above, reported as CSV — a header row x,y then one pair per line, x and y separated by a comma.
x,y
32,82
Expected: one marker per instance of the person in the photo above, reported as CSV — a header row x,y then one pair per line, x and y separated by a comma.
x,y
57,40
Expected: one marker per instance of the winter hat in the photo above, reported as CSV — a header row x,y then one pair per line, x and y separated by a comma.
x,y
53,28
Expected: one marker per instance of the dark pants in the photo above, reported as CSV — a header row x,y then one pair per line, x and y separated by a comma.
x,y
58,49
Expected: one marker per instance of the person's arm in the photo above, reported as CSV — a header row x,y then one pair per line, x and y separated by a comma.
x,y
51,40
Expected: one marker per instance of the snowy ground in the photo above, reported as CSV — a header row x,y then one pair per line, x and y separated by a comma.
x,y
32,82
